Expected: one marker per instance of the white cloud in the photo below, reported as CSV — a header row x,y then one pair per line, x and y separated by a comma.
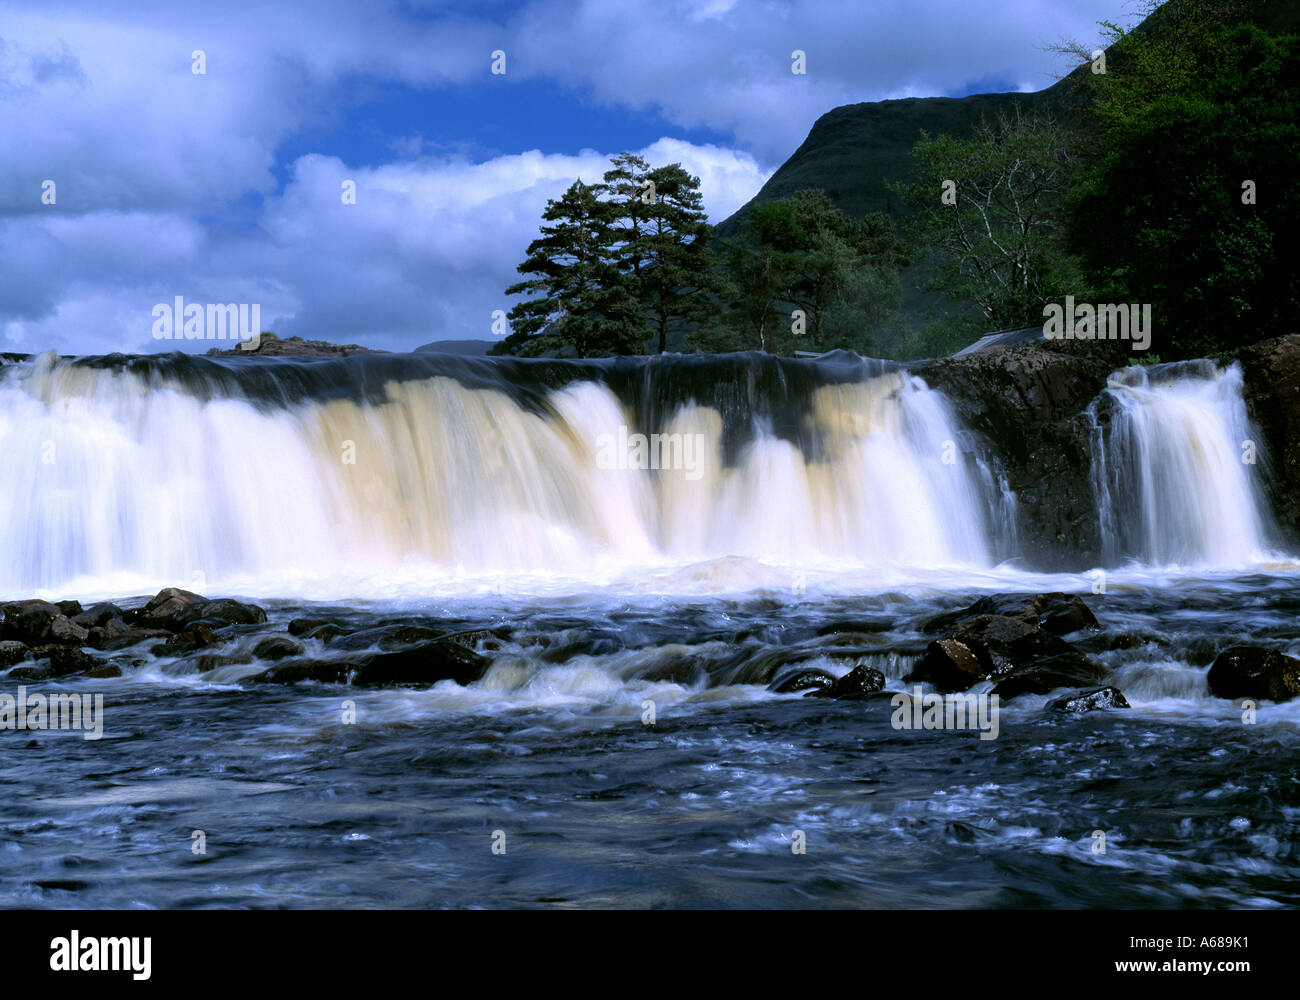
x,y
425,253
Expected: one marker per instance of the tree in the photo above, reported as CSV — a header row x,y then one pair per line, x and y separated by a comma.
x,y
1188,203
577,296
803,254
678,271
990,215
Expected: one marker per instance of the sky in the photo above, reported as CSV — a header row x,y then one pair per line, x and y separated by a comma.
x,y
128,178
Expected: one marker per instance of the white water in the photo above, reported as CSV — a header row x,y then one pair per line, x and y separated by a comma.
x,y
1177,471
121,482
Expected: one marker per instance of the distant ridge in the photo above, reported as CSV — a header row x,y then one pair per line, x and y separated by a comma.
x,y
456,347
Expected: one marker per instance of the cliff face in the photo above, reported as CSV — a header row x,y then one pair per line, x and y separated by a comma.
x,y
1030,404
1272,391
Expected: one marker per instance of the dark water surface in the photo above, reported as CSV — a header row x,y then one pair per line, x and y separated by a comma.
x,y
399,809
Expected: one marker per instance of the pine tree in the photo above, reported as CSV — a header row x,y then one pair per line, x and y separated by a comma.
x,y
677,279
578,298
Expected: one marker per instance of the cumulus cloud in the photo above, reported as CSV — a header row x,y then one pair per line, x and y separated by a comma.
x,y
425,252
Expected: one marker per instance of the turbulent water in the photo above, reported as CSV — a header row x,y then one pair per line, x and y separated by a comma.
x,y
800,501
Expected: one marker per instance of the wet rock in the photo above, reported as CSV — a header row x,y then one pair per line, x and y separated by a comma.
x,y
63,629
856,626
1098,699
1271,391
301,626
1058,613
117,634
949,665
803,680
66,659
1021,657
107,670
427,663
294,671
472,638
211,661
276,647
1254,672
857,683
225,611
1045,675
593,642
40,671
197,636
163,608
1029,402
422,664
386,637
98,615
69,608
325,633
29,621
12,651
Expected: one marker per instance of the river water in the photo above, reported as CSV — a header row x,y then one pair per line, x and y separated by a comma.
x,y
618,752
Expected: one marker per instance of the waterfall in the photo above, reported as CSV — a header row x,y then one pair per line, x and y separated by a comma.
x,y
125,474
1176,468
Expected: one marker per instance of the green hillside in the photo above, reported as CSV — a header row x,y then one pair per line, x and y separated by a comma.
x,y
855,152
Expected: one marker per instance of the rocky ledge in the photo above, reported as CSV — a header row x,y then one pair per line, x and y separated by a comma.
x,y
272,346
40,640
1004,644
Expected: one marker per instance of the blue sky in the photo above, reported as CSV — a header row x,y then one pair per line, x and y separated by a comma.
x,y
225,186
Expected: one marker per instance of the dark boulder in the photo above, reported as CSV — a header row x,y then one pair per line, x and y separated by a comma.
x,y
224,611
1058,613
29,621
276,647
386,637
69,608
1019,656
326,633
1095,700
64,630
212,661
949,665
198,636
295,671
475,637
810,679
857,683
421,665
426,663
301,626
66,659
12,651
98,615
163,607
1254,672
1047,674
117,634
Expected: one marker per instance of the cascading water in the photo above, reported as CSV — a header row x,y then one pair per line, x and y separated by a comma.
x,y
130,474
1176,468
